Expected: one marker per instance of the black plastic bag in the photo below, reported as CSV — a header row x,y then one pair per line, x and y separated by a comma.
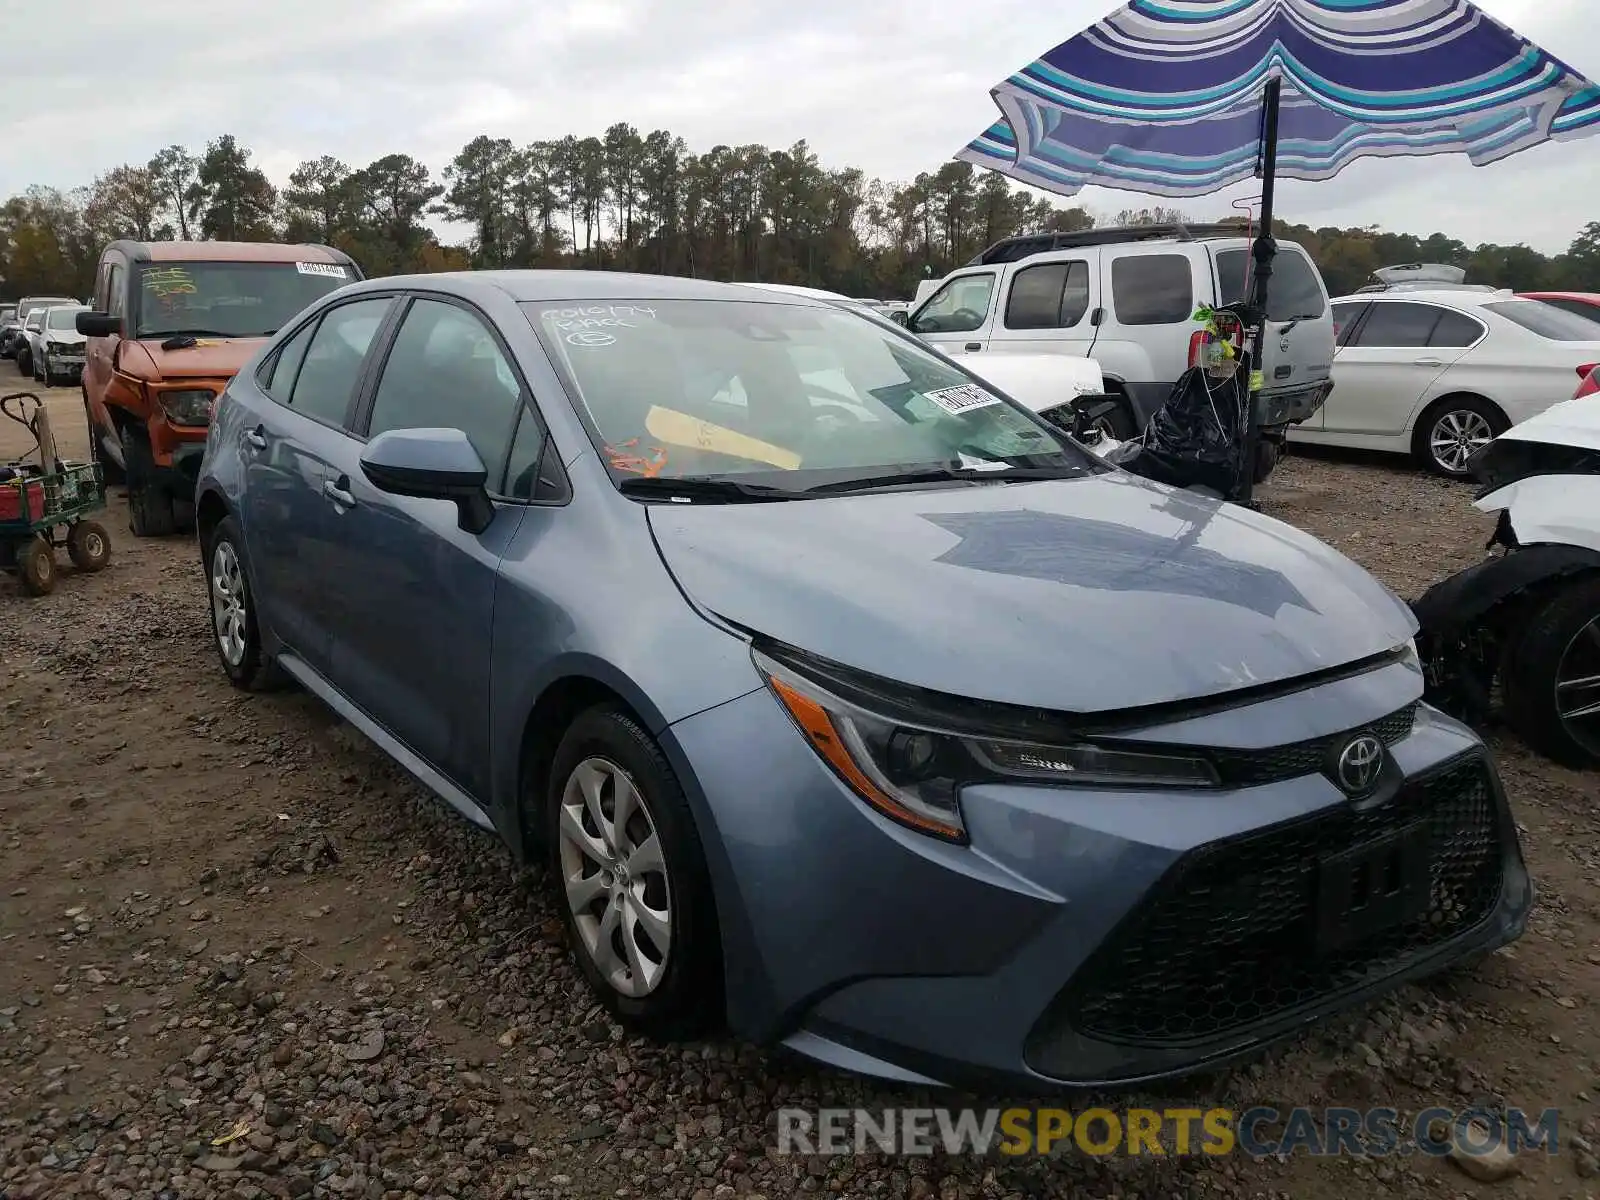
x,y
1195,439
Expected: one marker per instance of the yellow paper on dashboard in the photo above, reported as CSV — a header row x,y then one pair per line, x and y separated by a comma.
x,y
673,428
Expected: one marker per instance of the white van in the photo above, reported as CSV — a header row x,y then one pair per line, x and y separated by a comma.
x,y
1127,297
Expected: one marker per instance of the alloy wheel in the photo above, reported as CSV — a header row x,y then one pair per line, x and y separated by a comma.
x,y
1456,436
1578,688
228,603
615,877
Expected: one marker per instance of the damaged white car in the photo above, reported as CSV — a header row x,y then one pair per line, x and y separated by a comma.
x,y
1517,637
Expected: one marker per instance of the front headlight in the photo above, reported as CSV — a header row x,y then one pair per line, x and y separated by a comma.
x,y
913,773
187,407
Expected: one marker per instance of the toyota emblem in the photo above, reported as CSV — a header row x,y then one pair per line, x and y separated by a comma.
x,y
1358,765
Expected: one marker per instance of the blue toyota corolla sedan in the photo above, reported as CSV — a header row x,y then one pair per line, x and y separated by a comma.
x,y
847,704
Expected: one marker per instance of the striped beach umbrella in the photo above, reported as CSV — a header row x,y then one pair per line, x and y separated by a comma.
x,y
1184,97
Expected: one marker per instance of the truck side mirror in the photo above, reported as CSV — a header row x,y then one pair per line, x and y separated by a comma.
x,y
98,324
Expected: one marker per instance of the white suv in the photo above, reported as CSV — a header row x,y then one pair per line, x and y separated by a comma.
x,y
1126,297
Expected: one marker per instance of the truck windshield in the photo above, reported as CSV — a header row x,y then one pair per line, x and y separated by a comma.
x,y
28,306
62,318
230,299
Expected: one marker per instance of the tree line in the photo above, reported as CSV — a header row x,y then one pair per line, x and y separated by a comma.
x,y
632,201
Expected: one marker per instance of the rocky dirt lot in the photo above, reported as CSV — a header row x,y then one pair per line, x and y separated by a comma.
x,y
241,955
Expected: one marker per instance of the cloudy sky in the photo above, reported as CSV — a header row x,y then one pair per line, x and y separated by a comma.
x,y
891,86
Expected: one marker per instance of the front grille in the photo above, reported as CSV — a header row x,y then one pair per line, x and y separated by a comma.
x,y
1228,941
1252,768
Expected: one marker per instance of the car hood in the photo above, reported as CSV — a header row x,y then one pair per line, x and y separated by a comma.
x,y
1084,595
208,358
65,337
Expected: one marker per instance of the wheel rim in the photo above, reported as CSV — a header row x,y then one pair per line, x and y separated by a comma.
x,y
228,603
1457,436
94,545
615,877
1578,688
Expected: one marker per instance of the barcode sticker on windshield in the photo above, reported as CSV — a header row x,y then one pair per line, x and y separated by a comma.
x,y
333,270
965,398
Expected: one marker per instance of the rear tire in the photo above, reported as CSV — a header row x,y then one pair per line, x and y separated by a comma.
x,y
668,991
1451,430
151,512
1554,647
89,546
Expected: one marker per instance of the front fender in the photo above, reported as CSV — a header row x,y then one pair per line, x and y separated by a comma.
x,y
1453,605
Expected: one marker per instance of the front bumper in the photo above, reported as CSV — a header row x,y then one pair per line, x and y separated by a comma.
x,y
1086,938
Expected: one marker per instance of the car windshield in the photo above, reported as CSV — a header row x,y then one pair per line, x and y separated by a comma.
x,y
675,388
62,318
230,299
1547,320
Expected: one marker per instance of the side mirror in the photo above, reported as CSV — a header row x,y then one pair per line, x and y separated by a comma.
x,y
432,464
97,324
900,316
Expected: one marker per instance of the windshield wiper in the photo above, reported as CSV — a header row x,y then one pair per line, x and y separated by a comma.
x,y
999,474
177,339
701,488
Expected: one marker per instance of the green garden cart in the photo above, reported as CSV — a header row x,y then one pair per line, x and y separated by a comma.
x,y
47,505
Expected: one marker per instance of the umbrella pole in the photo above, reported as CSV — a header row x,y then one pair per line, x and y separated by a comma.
x,y
1256,311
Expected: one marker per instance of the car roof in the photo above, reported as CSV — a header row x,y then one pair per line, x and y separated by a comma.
x,y
795,289
1459,297
578,286
275,252
1587,297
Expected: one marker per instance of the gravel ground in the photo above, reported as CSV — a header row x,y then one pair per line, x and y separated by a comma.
x,y
241,955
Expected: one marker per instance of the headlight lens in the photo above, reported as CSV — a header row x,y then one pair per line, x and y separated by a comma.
x,y
914,774
187,407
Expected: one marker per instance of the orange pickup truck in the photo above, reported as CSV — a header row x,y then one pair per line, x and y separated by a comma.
x,y
171,324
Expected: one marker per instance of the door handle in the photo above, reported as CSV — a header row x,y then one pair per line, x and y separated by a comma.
x,y
334,491
974,345
257,438
1427,362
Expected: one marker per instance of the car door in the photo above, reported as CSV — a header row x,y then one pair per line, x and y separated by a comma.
x,y
1384,366
956,318
1045,309
1347,316
414,611
305,395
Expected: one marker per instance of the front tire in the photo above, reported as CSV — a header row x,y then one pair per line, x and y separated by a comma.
x,y
1452,431
1552,677
234,627
25,361
630,881
151,512
36,566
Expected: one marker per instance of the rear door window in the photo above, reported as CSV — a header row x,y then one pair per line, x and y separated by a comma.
x,y
1151,289
1396,324
1049,296
1456,331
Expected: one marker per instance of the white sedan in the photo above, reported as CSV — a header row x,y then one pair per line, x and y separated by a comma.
x,y
1437,374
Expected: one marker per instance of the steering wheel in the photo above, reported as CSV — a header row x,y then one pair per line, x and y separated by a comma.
x,y
971,318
